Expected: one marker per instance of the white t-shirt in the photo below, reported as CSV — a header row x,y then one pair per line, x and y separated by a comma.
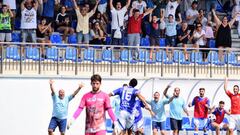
x,y
29,19
197,35
11,3
171,8
191,12
139,6
118,17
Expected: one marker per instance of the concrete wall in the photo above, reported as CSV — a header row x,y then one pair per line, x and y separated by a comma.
x,y
26,104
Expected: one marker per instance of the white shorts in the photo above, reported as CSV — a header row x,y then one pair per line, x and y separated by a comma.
x,y
125,120
200,123
7,36
234,121
102,8
138,125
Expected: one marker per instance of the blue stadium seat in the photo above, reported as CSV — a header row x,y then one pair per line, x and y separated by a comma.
x,y
145,42
89,55
108,40
168,125
161,56
199,59
17,24
125,41
109,125
162,42
144,55
71,54
16,37
125,57
213,57
32,53
56,38
72,39
52,54
186,124
231,58
179,57
107,55
211,43
147,125
12,53
74,24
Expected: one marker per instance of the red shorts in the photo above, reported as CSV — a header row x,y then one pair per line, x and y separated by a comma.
x,y
102,132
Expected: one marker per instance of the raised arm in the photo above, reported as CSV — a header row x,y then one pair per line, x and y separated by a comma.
x,y
36,4
78,89
10,11
111,4
233,20
180,18
171,98
51,87
143,100
128,4
22,4
95,7
166,90
74,4
225,85
148,11
150,18
216,19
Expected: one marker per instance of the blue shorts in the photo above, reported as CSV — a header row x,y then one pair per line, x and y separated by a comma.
x,y
159,125
60,123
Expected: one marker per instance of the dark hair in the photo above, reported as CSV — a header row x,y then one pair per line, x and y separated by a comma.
x,y
133,82
96,77
4,5
136,10
125,85
156,93
200,10
194,2
221,102
202,89
170,15
198,24
236,86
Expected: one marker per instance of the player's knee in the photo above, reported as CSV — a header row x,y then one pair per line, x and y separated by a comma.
x,y
50,131
62,133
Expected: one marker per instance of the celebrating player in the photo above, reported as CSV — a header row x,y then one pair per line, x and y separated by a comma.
x,y
96,102
201,106
60,109
177,106
234,121
127,102
219,113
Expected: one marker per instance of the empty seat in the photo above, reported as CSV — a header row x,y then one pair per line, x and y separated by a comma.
x,y
162,42
197,57
145,42
13,53
186,124
71,54
108,40
161,56
16,37
231,58
211,43
179,57
126,56
32,53
56,38
89,55
72,39
144,56
52,54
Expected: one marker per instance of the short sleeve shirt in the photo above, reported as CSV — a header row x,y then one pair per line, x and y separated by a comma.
x,y
118,17
235,102
60,106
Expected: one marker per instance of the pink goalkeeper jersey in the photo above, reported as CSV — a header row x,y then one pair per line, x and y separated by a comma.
x,y
96,105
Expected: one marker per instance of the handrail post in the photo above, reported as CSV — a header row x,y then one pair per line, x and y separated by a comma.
x,y
21,52
162,63
145,63
76,61
111,63
57,61
40,58
195,64
94,59
211,64
2,59
227,64
178,66
128,64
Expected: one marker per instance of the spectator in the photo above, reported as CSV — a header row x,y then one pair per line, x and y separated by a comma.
x,y
235,10
87,6
102,7
191,15
201,19
97,34
48,9
223,36
69,6
209,33
44,31
140,5
117,23
171,7
198,40
183,36
5,25
29,19
98,17
171,32
134,28
154,32
63,24
83,22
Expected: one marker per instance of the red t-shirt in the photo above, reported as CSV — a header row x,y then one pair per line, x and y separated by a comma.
x,y
134,25
219,115
235,102
200,109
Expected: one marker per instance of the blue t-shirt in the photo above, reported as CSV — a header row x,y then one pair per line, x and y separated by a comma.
x,y
171,28
176,108
138,111
102,2
159,109
48,8
60,106
127,98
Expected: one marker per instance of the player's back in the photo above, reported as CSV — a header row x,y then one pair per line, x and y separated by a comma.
x,y
127,97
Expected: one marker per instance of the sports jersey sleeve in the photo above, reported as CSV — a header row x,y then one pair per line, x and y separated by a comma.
x,y
141,104
208,102
193,101
136,92
165,101
229,93
117,91
214,112
107,104
80,108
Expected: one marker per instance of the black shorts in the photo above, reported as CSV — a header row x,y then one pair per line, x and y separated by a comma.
x,y
154,41
176,124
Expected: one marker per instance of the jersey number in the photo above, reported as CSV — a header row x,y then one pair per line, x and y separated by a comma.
x,y
127,95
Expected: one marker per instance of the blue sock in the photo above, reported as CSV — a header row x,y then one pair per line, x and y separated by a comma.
x,y
205,134
195,133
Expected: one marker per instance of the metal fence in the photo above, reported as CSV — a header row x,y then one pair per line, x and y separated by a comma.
x,y
85,60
